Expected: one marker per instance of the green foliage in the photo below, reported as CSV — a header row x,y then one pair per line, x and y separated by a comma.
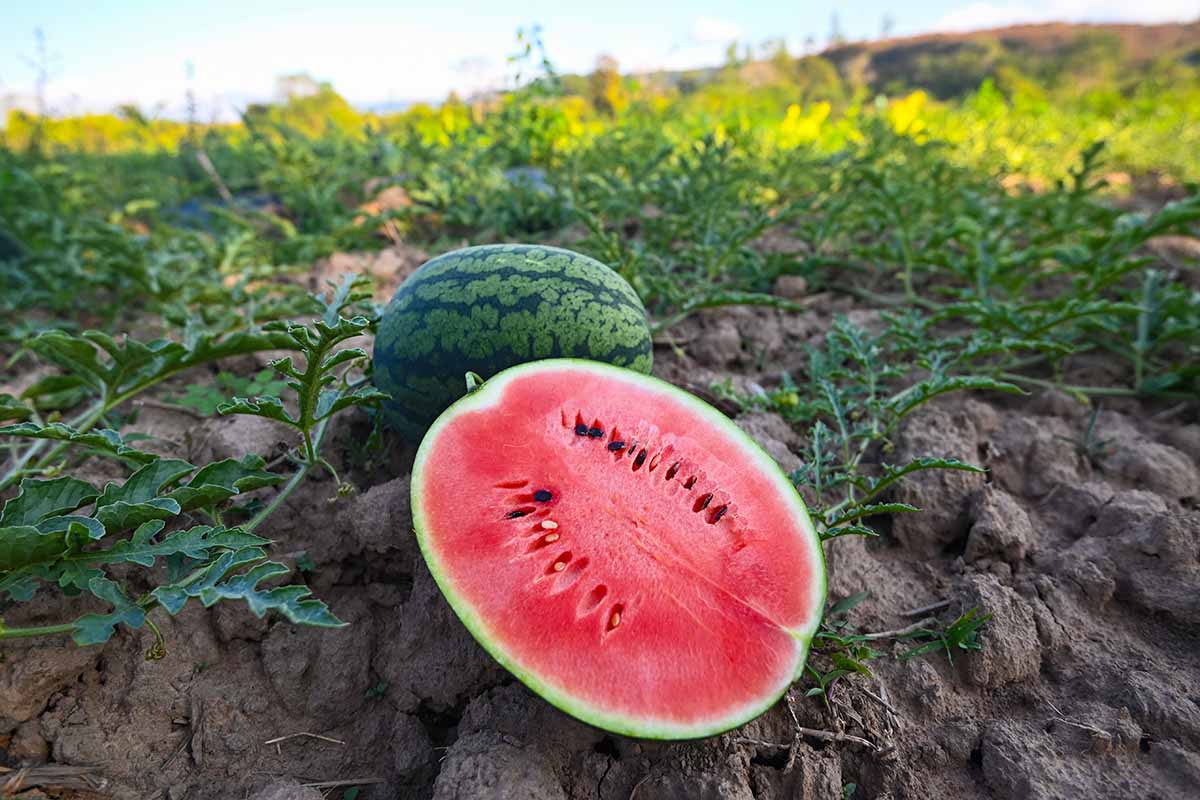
x,y
322,386
863,386
838,652
204,398
962,634
1090,445
64,532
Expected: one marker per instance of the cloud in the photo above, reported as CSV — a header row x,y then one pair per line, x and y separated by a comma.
x,y
708,30
993,15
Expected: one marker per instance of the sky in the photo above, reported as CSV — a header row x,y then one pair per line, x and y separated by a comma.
x,y
100,53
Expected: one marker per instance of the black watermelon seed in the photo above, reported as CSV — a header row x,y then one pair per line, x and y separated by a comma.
x,y
542,496
641,458
615,446
581,430
517,513
720,513
595,433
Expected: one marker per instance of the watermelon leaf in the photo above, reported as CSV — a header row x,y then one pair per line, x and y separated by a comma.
x,y
219,481
104,441
334,400
12,408
195,543
99,628
847,530
40,499
266,407
892,474
210,586
870,510
847,603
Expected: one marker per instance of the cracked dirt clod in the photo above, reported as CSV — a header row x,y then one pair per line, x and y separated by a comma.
x,y
943,495
773,435
1011,651
496,767
322,672
999,527
288,789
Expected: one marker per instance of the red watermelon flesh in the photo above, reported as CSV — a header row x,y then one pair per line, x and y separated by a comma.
x,y
621,547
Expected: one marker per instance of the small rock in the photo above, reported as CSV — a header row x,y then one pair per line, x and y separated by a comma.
x,y
1053,403
718,343
412,751
380,520
1186,440
1157,565
1011,650
487,765
773,434
1000,527
790,287
1021,764
286,789
1035,456
1126,511
1073,507
1157,467
33,670
1158,702
240,435
323,672
943,495
28,746
1087,566
956,738
918,678
1181,767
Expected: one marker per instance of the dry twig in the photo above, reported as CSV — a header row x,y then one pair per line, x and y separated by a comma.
x,y
279,739
51,776
907,629
929,609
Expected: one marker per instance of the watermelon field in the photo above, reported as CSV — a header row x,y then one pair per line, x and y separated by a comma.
x,y
923,426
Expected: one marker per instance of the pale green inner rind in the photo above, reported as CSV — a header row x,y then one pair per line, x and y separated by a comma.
x,y
490,394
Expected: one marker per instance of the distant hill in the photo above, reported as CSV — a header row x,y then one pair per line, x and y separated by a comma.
x,y
952,64
949,63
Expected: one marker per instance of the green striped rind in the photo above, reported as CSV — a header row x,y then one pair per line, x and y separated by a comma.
x,y
484,309
489,395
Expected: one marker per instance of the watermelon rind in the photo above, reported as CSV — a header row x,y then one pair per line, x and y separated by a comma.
x,y
489,394
486,308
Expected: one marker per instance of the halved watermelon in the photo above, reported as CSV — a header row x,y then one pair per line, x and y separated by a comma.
x,y
620,546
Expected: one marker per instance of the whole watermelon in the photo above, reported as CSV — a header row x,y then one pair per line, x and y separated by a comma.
x,y
484,309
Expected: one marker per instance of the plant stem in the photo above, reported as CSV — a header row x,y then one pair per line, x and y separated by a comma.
x,y
296,480
1097,391
45,630
87,419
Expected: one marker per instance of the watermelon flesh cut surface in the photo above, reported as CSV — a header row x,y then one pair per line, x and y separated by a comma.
x,y
621,547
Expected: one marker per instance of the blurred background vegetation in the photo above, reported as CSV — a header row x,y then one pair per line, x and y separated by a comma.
x,y
670,177
1020,99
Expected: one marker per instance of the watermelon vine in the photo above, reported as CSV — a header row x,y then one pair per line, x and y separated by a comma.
x,y
62,531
